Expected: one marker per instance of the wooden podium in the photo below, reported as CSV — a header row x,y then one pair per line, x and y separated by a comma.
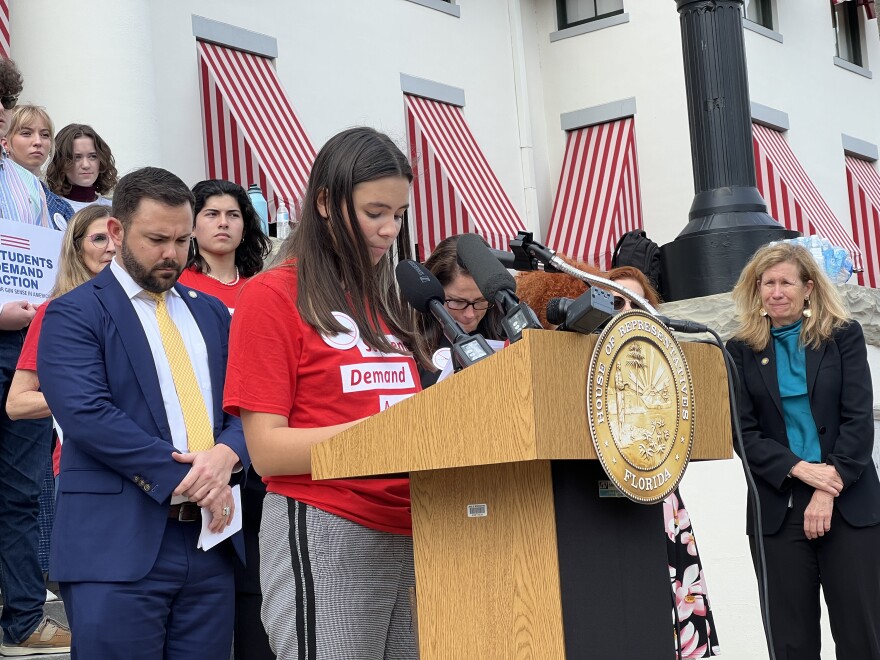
x,y
552,570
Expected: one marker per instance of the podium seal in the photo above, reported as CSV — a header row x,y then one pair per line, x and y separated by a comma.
x,y
640,405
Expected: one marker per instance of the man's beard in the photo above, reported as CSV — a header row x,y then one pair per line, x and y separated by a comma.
x,y
144,277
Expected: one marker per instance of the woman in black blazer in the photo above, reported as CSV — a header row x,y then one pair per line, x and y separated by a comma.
x,y
806,414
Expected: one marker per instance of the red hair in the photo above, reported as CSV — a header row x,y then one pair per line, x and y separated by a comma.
x,y
536,288
632,273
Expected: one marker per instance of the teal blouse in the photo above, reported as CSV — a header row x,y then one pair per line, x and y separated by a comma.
x,y
791,372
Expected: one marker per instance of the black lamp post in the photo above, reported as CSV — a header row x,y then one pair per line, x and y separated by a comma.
x,y
728,219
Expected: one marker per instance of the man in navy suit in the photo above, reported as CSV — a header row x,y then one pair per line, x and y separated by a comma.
x,y
132,486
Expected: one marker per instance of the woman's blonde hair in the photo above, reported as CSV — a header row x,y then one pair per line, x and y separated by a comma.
x,y
27,115
828,310
72,270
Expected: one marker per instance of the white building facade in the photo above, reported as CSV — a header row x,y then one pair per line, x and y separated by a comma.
x,y
522,77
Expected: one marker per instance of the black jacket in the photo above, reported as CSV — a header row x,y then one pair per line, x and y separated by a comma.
x,y
841,400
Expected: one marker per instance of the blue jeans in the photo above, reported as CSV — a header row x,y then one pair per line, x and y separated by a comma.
x,y
24,450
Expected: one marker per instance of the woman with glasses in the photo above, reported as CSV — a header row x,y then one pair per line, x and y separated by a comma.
x,y
82,170
29,143
85,251
465,303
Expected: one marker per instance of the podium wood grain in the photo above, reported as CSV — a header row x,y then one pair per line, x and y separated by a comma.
x,y
524,403
488,587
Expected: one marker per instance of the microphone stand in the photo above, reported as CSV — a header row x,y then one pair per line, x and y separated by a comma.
x,y
524,242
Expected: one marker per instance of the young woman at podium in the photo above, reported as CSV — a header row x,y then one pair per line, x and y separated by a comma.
x,y
317,344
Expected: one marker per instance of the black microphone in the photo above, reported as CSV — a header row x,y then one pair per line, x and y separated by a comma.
x,y
683,326
512,261
496,285
584,314
425,294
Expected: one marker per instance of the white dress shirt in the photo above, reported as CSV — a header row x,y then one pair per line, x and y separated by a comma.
x,y
145,307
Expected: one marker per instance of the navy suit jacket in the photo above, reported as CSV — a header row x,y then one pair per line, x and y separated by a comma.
x,y
97,373
841,400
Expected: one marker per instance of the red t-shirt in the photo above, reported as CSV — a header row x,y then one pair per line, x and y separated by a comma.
x,y
28,361
28,357
281,365
227,293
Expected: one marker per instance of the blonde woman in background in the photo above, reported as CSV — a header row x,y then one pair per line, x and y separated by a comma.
x,y
30,144
806,409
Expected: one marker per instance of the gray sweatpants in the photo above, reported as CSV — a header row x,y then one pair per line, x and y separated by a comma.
x,y
333,589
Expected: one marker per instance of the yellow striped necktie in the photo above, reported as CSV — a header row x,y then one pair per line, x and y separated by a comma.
x,y
199,434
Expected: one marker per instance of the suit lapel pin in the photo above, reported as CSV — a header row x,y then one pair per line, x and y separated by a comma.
x,y
193,294
765,361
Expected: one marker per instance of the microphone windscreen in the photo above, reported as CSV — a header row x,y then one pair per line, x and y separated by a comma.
x,y
556,309
418,285
488,273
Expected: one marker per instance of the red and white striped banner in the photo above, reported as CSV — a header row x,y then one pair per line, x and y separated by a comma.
x,y
791,197
598,198
5,37
252,134
455,189
863,181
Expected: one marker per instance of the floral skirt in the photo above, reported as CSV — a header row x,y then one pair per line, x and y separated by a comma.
x,y
695,635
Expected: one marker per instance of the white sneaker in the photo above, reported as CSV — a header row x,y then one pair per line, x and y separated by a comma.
x,y
50,597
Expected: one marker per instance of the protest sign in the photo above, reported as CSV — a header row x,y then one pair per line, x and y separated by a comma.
x,y
28,261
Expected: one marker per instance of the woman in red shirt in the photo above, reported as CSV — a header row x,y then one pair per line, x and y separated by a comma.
x,y
228,249
85,251
228,246
317,344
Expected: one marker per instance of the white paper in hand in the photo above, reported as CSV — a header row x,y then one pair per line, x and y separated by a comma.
x,y
208,539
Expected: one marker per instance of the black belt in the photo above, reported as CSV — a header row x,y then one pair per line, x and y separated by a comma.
x,y
185,512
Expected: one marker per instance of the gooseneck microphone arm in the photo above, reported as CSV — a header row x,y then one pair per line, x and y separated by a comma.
x,y
548,257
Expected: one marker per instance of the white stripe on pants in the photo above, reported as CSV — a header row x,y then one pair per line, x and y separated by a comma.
x,y
333,589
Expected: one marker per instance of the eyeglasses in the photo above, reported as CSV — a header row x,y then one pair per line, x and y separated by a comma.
x,y
620,303
98,240
8,102
459,305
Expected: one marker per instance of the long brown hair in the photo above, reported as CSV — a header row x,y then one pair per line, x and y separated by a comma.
x,y
828,310
333,263
633,273
56,179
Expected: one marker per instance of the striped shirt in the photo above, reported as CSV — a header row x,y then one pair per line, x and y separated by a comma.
x,y
21,195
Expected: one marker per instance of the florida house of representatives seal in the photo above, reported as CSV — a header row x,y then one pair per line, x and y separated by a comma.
x,y
640,405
